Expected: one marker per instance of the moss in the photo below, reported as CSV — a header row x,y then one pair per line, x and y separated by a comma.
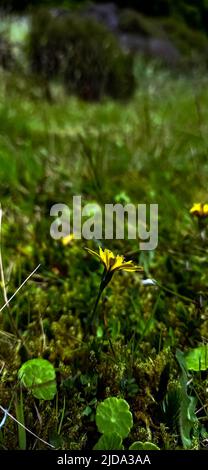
x,y
67,335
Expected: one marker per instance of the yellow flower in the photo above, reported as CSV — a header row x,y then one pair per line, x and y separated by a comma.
x,y
113,262
205,209
199,209
68,239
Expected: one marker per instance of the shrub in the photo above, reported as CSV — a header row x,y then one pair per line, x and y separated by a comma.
x,y
82,53
121,81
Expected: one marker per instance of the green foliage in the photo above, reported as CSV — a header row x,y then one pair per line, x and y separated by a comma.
x,y
110,441
82,53
171,406
39,377
142,151
143,446
187,417
114,414
197,358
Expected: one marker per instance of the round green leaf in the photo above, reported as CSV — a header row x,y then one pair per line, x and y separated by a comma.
x,y
138,445
38,375
113,415
197,359
109,442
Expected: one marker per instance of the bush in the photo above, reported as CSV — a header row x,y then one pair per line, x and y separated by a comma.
x,y
121,81
81,53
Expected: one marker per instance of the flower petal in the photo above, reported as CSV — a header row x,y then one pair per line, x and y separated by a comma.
x,y
107,256
197,209
92,252
117,262
114,263
129,266
205,210
68,239
132,269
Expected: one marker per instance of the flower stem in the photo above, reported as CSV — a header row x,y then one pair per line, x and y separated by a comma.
x,y
108,335
92,318
104,282
183,297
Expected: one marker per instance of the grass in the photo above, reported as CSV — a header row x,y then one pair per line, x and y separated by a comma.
x,y
153,150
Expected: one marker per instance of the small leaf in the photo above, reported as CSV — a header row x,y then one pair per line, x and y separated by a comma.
x,y
171,405
111,441
114,414
197,359
38,375
87,411
187,416
187,419
138,445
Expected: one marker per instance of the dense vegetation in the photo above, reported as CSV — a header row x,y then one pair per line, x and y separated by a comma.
x,y
151,149
82,53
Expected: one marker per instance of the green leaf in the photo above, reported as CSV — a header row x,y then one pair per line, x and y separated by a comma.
x,y
114,414
187,419
138,445
197,359
87,411
20,417
38,375
187,416
171,405
111,441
